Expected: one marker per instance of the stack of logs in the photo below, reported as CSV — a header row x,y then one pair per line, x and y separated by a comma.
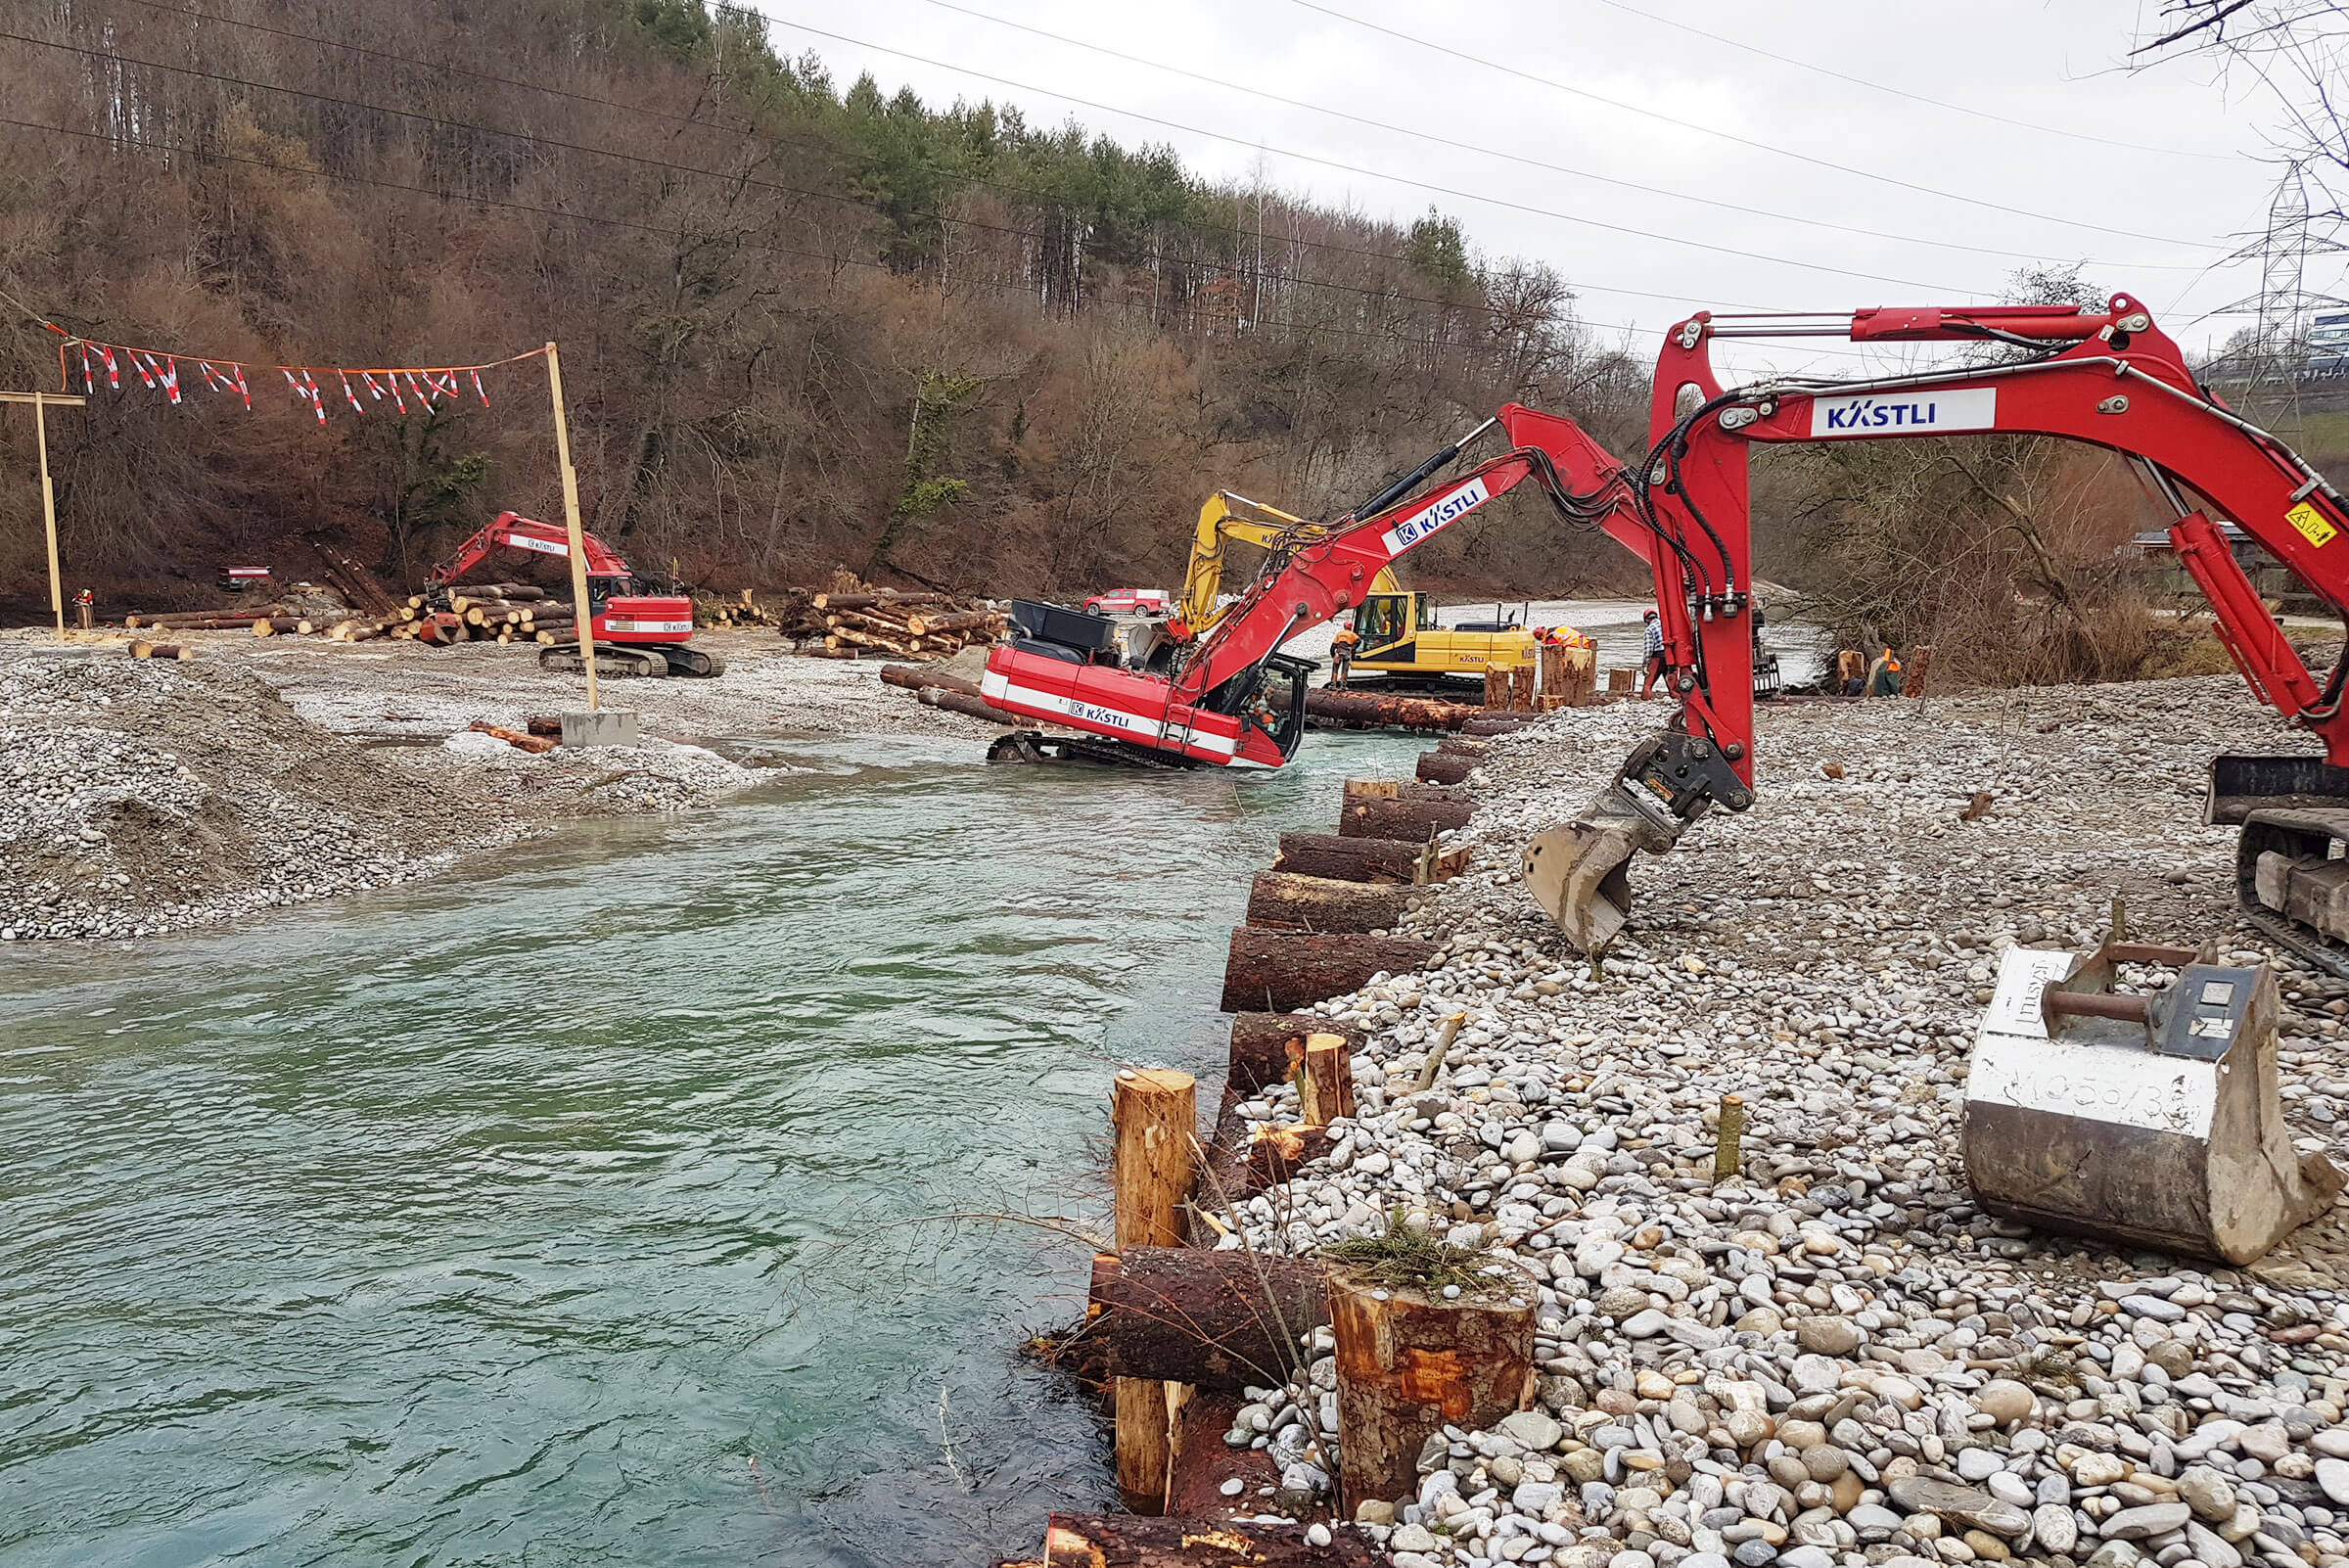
x,y
930,626
1182,1329
490,611
262,620
746,611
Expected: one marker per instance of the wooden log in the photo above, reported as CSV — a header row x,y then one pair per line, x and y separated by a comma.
x,y
1283,902
866,601
1371,788
1325,1088
1269,1048
869,639
231,615
955,702
1153,1126
1498,723
1462,745
1280,971
1410,821
1220,1320
914,680
1277,1153
1375,708
1439,767
1521,689
161,650
1496,689
271,625
1116,1540
935,621
1409,1362
1348,859
515,738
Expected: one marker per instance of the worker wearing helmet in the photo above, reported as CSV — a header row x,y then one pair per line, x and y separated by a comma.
x,y
1652,660
1341,656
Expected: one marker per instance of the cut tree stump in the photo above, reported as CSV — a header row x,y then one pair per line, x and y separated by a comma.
x,y
1269,1048
1277,1153
1113,1540
1280,971
1218,1320
1456,746
1325,1088
1410,1363
1409,821
1282,901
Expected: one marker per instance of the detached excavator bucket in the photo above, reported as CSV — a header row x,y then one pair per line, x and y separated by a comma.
x,y
1579,871
2146,1118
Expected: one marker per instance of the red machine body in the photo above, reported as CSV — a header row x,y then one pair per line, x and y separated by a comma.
x,y
618,614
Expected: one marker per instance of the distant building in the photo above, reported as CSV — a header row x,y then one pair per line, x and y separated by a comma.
x,y
2270,578
2328,344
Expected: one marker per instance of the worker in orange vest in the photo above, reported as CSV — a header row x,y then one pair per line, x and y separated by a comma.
x,y
1341,655
1884,676
86,605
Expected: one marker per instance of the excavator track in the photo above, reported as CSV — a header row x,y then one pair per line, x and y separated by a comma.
x,y
611,661
698,663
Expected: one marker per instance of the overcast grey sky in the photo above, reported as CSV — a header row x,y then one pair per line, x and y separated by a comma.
x,y
1838,183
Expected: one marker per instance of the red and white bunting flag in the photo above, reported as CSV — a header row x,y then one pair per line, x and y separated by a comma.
x,y
317,400
352,397
113,377
141,363
169,370
424,393
243,391
89,382
477,389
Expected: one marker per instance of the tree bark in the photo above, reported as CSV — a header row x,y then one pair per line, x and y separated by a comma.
x,y
1461,746
1412,1363
1280,971
955,702
1153,1127
1338,859
1436,768
913,679
1220,1320
1269,1048
1113,1540
1282,901
1277,1153
1414,821
1372,708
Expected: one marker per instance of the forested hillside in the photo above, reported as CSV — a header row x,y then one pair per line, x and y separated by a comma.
x,y
802,325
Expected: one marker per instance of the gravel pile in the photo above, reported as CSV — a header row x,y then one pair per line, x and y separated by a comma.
x,y
1835,1358
138,796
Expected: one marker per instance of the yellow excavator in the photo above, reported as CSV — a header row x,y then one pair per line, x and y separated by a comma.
x,y
1399,637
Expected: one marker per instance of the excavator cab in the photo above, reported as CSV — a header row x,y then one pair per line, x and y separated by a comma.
x,y
1269,699
1388,622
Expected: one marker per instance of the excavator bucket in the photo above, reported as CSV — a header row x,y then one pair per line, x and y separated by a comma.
x,y
1579,871
2147,1119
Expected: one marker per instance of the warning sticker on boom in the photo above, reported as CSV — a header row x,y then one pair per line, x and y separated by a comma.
x,y
2312,523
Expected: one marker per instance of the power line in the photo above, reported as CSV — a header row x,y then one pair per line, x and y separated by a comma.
x,y
1379,175
1026,292
1900,92
1535,162
1679,123
746,131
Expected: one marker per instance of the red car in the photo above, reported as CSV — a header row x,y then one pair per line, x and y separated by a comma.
x,y
1129,602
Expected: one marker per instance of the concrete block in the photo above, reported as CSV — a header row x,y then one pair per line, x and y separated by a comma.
x,y
604,728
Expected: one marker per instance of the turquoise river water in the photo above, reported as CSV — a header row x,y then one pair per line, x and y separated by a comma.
x,y
575,1215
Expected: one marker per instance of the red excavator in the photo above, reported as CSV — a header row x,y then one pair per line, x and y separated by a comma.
x,y
2109,377
636,633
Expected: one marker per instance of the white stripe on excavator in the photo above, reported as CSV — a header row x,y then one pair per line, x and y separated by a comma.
x,y
2118,1082
994,686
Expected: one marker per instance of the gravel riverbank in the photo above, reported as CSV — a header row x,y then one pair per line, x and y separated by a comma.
x,y
146,796
1837,1359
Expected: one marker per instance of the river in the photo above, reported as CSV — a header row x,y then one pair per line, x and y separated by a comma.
x,y
572,1214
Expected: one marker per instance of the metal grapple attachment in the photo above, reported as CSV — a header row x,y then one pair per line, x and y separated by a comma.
x,y
1579,871
2149,1119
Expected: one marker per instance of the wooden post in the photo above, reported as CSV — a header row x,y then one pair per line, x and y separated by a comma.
x,y
1153,1115
1326,1087
1410,1361
40,441
1728,1155
570,522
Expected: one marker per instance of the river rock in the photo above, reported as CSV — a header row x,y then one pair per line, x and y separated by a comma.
x,y
1534,1429
1826,1336
2149,1519
2209,1493
2005,1400
1959,1505
2054,1527
2332,1475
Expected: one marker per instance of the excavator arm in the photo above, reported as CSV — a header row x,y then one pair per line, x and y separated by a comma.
x,y
1226,515
512,531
